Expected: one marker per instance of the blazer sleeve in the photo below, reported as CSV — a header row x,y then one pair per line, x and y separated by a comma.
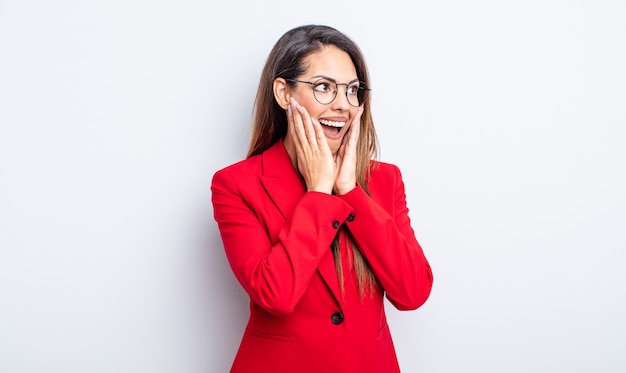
x,y
274,271
388,242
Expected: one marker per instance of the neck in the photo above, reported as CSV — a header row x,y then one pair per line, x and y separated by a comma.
x,y
290,147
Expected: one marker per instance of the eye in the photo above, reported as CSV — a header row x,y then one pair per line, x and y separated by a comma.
x,y
323,86
353,89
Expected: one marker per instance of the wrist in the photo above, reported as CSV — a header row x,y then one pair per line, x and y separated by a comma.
x,y
328,189
345,189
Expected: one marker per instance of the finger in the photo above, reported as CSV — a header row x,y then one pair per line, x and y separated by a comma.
x,y
319,133
298,125
290,125
355,128
307,124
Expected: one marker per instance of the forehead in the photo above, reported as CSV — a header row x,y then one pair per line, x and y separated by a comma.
x,y
332,62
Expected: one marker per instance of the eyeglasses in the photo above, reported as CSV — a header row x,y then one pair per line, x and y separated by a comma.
x,y
325,90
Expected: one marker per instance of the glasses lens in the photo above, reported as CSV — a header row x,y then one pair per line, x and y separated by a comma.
x,y
355,94
324,91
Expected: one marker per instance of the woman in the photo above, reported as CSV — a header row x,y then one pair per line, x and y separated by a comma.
x,y
315,231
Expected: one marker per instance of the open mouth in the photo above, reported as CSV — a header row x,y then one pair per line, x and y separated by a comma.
x,y
332,123
332,128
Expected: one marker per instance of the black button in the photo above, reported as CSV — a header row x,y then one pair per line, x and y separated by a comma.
x,y
336,224
336,318
350,217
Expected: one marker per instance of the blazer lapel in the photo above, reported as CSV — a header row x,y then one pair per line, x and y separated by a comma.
x,y
281,180
328,272
285,188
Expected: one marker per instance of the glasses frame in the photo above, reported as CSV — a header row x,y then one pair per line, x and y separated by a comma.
x,y
362,86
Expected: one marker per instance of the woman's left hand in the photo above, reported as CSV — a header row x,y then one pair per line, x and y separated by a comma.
x,y
345,159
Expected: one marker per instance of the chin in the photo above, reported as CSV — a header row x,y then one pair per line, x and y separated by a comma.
x,y
334,146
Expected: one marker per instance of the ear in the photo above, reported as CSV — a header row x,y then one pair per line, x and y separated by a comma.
x,y
281,92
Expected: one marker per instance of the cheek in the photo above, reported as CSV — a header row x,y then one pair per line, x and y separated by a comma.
x,y
312,108
353,112
303,98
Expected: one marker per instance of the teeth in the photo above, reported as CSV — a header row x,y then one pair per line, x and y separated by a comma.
x,y
332,123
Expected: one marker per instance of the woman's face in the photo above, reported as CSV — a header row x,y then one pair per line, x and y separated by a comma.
x,y
330,63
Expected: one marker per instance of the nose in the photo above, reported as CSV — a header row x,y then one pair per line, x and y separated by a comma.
x,y
341,98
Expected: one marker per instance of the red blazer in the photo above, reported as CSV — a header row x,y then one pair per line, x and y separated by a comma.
x,y
277,239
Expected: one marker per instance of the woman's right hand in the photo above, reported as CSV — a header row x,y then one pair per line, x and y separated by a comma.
x,y
315,160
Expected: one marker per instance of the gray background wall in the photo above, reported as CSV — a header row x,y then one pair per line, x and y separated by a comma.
x,y
506,117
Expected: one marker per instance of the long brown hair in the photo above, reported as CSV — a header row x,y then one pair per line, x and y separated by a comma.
x,y
286,60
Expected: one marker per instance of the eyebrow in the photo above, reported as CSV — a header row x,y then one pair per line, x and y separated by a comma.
x,y
333,80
